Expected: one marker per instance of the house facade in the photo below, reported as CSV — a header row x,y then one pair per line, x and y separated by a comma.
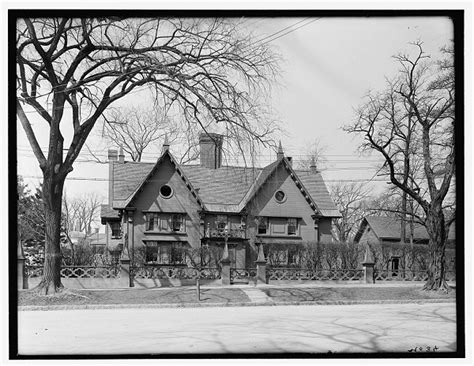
x,y
156,212
383,234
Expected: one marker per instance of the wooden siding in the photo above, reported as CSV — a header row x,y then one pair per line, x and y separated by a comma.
x,y
182,201
294,206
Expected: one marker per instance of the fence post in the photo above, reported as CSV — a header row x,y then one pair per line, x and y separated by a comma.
x,y
22,282
368,265
261,266
225,262
125,275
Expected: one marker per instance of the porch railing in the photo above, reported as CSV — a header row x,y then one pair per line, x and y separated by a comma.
x,y
221,233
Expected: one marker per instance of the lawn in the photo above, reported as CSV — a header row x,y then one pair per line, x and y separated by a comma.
x,y
225,296
180,295
354,294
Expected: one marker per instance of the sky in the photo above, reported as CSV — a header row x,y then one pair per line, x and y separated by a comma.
x,y
328,65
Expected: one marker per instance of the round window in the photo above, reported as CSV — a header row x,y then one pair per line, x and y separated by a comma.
x,y
166,191
280,196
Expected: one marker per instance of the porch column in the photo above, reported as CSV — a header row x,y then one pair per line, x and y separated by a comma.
x,y
368,265
130,237
261,266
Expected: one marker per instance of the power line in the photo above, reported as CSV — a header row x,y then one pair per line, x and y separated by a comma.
x,y
98,179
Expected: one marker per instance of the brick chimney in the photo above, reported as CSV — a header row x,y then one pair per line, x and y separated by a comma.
x,y
211,150
313,169
121,156
112,157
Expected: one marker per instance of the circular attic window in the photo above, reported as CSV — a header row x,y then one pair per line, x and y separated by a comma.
x,y
280,196
166,191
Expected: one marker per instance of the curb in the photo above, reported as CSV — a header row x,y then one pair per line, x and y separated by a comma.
x,y
234,304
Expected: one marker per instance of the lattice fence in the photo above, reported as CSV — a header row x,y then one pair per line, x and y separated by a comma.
x,y
77,271
242,274
90,272
402,275
181,273
321,275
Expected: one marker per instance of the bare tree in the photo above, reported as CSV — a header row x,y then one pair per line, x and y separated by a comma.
x,y
134,129
350,201
205,69
312,154
423,94
81,213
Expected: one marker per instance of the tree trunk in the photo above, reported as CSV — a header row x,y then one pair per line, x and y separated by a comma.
x,y
435,226
52,197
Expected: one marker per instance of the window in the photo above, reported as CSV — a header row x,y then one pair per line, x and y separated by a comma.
x,y
280,196
177,223
165,253
278,226
221,223
152,222
166,191
116,230
395,264
292,226
166,223
262,225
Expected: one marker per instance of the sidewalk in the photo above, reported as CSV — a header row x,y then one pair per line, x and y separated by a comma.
x,y
234,295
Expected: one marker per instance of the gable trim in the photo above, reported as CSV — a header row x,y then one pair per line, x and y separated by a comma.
x,y
150,174
254,189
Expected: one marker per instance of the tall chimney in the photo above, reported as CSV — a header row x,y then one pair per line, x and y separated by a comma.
x,y
112,156
121,157
313,169
211,150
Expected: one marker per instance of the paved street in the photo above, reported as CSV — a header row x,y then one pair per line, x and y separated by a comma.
x,y
346,328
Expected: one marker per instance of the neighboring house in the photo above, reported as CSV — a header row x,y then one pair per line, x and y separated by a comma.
x,y
385,232
157,210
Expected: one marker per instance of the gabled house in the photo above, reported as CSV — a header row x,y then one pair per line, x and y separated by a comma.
x,y
380,230
158,210
384,233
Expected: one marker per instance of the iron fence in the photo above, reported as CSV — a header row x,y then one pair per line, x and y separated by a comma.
x,y
321,275
171,272
407,275
242,274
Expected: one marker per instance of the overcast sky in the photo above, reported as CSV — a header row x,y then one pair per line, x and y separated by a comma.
x,y
328,66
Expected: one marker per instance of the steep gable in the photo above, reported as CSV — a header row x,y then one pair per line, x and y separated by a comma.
x,y
227,189
132,192
296,202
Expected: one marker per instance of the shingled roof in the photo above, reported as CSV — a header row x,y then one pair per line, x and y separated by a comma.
x,y
226,189
388,228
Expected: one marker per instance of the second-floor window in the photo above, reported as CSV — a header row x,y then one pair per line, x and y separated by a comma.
x,y
116,230
278,226
160,222
292,226
263,225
